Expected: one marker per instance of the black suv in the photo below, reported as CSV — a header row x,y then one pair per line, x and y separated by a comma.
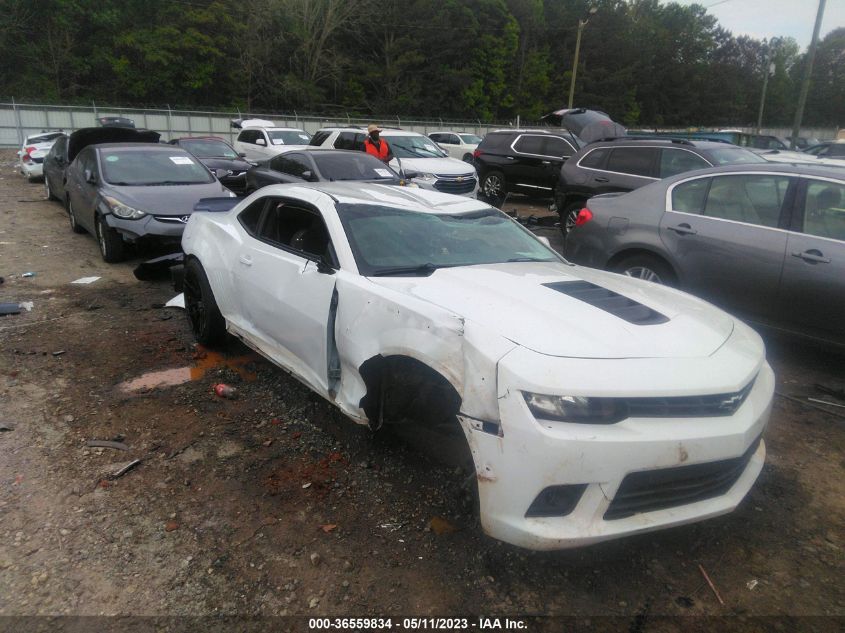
x,y
626,163
522,161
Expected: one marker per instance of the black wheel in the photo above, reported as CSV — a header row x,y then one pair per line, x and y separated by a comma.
x,y
111,243
204,316
568,216
647,267
47,191
71,216
493,185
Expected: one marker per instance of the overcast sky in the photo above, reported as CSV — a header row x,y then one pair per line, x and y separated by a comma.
x,y
774,18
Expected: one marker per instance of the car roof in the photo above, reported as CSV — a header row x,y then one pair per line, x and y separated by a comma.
x,y
283,129
526,130
140,146
663,141
409,198
799,169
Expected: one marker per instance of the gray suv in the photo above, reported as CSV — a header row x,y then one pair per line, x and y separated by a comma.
x,y
766,241
626,163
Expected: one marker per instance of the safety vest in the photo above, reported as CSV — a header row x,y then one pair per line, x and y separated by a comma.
x,y
380,151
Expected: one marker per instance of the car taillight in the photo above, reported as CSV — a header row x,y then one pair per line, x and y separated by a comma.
x,y
476,153
584,216
26,154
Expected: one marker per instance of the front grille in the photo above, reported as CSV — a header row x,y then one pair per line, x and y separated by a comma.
x,y
652,490
609,301
172,219
455,184
710,406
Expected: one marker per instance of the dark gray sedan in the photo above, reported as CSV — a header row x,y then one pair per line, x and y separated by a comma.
x,y
126,192
765,241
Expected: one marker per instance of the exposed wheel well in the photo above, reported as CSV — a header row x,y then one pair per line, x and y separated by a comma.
x,y
403,389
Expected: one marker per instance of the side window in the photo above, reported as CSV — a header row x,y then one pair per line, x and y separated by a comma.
x,y
319,138
636,161
835,150
359,141
824,210
689,196
345,140
277,163
595,159
678,161
529,144
297,165
243,137
557,147
437,138
452,139
753,199
295,228
251,216
88,161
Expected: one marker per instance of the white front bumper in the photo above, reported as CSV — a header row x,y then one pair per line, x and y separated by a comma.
x,y
531,455
32,170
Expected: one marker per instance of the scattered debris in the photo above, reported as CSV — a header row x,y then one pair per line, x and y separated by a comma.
x,y
28,274
176,302
329,527
712,586
9,308
5,426
120,472
119,446
170,526
809,404
225,391
27,305
684,601
306,485
830,391
59,352
315,558
830,404
751,584
392,526
154,379
85,280
267,442
440,526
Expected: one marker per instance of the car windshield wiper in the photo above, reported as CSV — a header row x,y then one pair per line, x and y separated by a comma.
x,y
164,183
528,259
421,269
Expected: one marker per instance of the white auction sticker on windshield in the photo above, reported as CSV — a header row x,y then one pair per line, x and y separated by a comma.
x,y
384,173
181,160
304,137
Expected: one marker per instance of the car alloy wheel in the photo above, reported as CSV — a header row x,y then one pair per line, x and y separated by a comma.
x,y
644,273
74,225
47,191
194,305
493,186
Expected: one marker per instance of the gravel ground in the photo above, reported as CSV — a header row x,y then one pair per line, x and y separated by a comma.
x,y
274,504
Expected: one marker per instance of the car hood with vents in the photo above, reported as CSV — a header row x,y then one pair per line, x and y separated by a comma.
x,y
561,310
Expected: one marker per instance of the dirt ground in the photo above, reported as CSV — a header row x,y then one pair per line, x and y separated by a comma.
x,y
274,504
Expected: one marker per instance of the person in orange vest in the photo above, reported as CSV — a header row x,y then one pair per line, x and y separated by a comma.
x,y
376,146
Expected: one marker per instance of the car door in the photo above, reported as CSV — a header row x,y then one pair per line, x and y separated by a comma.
x,y
556,150
285,295
54,167
524,166
627,168
674,161
812,290
290,167
726,236
83,194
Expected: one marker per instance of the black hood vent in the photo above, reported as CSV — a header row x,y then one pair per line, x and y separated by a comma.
x,y
609,301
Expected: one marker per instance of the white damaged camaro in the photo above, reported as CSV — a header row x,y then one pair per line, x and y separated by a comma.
x,y
594,405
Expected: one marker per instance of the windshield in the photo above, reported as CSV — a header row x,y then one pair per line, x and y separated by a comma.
x,y
470,139
289,137
352,166
209,148
733,156
391,241
413,146
43,138
154,167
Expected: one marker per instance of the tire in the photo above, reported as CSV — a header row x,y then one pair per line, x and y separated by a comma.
x,y
71,216
204,318
648,268
467,158
493,185
568,216
47,191
112,247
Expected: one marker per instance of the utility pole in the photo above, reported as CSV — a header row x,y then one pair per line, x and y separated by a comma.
x,y
805,84
769,68
581,25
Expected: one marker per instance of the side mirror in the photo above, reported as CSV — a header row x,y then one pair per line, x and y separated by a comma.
x,y
221,173
242,154
90,177
410,175
308,175
260,141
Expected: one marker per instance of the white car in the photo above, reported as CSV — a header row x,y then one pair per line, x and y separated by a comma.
x,y
459,145
414,155
594,405
32,153
262,143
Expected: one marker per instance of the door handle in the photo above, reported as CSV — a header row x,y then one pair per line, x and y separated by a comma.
x,y
601,179
246,260
812,256
509,157
683,229
547,162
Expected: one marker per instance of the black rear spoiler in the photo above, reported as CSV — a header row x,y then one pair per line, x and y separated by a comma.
x,y
216,205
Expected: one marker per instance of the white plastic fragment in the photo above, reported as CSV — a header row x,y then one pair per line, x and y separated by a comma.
x,y
176,302
85,280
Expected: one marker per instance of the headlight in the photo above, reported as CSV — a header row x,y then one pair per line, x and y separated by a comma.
x,y
426,177
123,211
576,409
